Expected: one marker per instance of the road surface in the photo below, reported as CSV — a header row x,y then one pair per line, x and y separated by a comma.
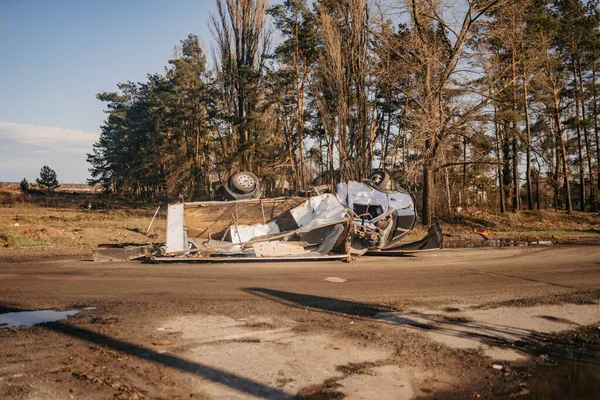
x,y
456,323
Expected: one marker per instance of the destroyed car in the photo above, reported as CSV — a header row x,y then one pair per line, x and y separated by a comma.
x,y
372,216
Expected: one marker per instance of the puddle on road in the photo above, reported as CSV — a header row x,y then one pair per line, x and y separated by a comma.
x,y
576,376
22,319
570,380
499,243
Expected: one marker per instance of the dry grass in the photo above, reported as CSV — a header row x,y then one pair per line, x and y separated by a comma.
x,y
10,195
31,230
62,224
525,224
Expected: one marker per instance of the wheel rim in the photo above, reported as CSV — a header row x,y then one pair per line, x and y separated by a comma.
x,y
377,179
245,181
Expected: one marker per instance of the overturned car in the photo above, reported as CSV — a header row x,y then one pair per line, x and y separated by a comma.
x,y
372,216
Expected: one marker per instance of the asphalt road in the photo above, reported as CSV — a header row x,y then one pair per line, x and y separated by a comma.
x,y
135,299
461,275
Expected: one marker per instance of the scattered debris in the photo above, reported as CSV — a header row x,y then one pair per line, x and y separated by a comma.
x,y
152,221
278,248
374,215
369,371
162,343
335,280
108,252
483,233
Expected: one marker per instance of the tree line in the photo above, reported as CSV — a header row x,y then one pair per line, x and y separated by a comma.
x,y
482,102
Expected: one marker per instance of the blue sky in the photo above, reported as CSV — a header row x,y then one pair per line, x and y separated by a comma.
x,y
55,56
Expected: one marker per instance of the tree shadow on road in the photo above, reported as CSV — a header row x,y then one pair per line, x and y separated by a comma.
x,y
328,304
524,340
234,381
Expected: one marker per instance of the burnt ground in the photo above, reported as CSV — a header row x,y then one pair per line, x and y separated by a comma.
x,y
460,323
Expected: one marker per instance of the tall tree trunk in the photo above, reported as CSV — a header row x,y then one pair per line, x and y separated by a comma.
x,y
405,139
515,149
596,127
242,127
563,151
388,132
556,172
528,131
300,88
579,141
428,183
293,161
537,190
464,174
498,164
506,157
557,164
588,148
448,194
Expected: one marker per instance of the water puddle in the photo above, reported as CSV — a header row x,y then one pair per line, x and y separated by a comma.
x,y
22,319
571,379
499,243
571,372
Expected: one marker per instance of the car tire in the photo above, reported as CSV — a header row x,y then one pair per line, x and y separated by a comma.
x,y
380,179
243,182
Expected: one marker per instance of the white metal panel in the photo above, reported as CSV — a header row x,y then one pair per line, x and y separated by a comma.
x,y
243,233
318,210
277,249
175,229
351,193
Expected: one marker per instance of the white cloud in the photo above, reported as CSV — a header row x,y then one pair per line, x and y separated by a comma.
x,y
52,137
24,149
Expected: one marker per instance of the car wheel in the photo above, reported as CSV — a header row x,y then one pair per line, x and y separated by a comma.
x,y
244,182
380,179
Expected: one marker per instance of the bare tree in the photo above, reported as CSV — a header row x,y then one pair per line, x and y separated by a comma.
x,y
437,58
240,31
344,87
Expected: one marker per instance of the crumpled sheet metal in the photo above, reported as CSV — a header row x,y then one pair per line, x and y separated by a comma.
x,y
290,228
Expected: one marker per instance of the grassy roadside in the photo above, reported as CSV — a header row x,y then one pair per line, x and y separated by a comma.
x,y
36,231
72,224
524,226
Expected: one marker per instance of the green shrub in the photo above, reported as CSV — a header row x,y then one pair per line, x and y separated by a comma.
x,y
24,185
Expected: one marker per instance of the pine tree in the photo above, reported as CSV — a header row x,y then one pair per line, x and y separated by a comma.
x,y
24,185
47,178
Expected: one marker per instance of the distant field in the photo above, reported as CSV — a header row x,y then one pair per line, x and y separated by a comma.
x,y
72,221
64,187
